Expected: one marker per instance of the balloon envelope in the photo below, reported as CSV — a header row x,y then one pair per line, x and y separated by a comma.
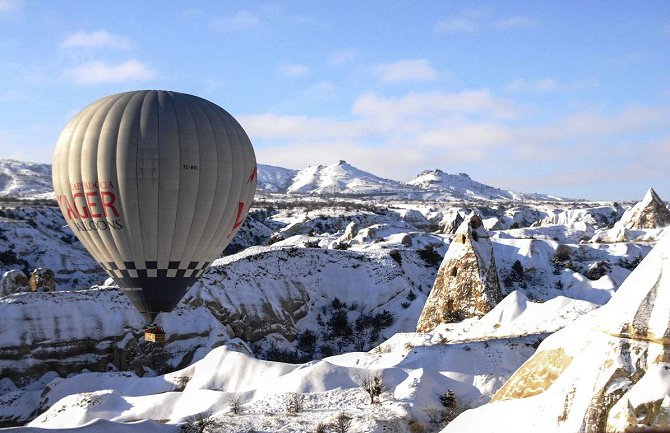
x,y
155,184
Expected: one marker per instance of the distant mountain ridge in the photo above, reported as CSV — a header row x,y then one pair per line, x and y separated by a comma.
x,y
31,180
461,186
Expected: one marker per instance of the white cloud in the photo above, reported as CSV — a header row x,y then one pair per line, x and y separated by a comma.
x,y
343,57
514,22
315,95
467,21
96,39
631,119
10,8
300,128
435,126
471,20
406,70
543,85
100,72
242,20
456,25
467,135
479,101
295,70
396,137
549,84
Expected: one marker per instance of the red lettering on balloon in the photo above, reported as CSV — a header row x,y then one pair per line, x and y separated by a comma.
x,y
70,212
238,219
108,204
92,204
74,200
253,174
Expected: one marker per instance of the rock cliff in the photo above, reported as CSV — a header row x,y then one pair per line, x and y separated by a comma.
x,y
609,371
650,213
14,281
467,282
42,280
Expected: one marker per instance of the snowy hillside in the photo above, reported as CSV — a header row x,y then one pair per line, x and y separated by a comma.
x,y
273,179
460,186
33,181
322,286
342,178
416,372
38,237
25,180
472,359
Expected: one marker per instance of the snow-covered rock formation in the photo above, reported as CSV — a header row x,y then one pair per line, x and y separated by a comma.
x,y
37,237
650,213
467,282
13,281
34,237
42,280
609,371
461,186
415,370
643,222
25,180
451,223
273,179
343,179
585,218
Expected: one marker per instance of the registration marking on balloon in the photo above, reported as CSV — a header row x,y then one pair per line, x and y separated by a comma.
x,y
91,202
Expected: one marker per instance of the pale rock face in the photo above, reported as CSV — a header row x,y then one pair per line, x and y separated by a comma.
x,y
618,233
368,234
650,213
350,232
42,280
493,224
452,225
416,219
12,282
609,371
467,282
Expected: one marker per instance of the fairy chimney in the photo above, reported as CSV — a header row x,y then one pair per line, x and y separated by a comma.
x,y
42,280
650,213
467,282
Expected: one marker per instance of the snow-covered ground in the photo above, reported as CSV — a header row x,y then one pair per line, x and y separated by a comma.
x,y
325,278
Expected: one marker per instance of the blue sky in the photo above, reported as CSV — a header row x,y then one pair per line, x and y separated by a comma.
x,y
566,97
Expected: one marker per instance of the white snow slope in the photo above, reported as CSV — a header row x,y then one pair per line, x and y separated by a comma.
x,y
461,186
342,178
273,179
25,180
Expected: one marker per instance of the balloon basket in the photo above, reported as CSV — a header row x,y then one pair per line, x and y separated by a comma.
x,y
154,334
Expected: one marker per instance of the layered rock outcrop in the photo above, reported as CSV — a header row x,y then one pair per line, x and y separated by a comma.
x,y
42,280
609,371
467,283
13,281
350,232
453,224
650,213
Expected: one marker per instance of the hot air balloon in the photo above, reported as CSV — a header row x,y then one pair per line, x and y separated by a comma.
x,y
155,184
